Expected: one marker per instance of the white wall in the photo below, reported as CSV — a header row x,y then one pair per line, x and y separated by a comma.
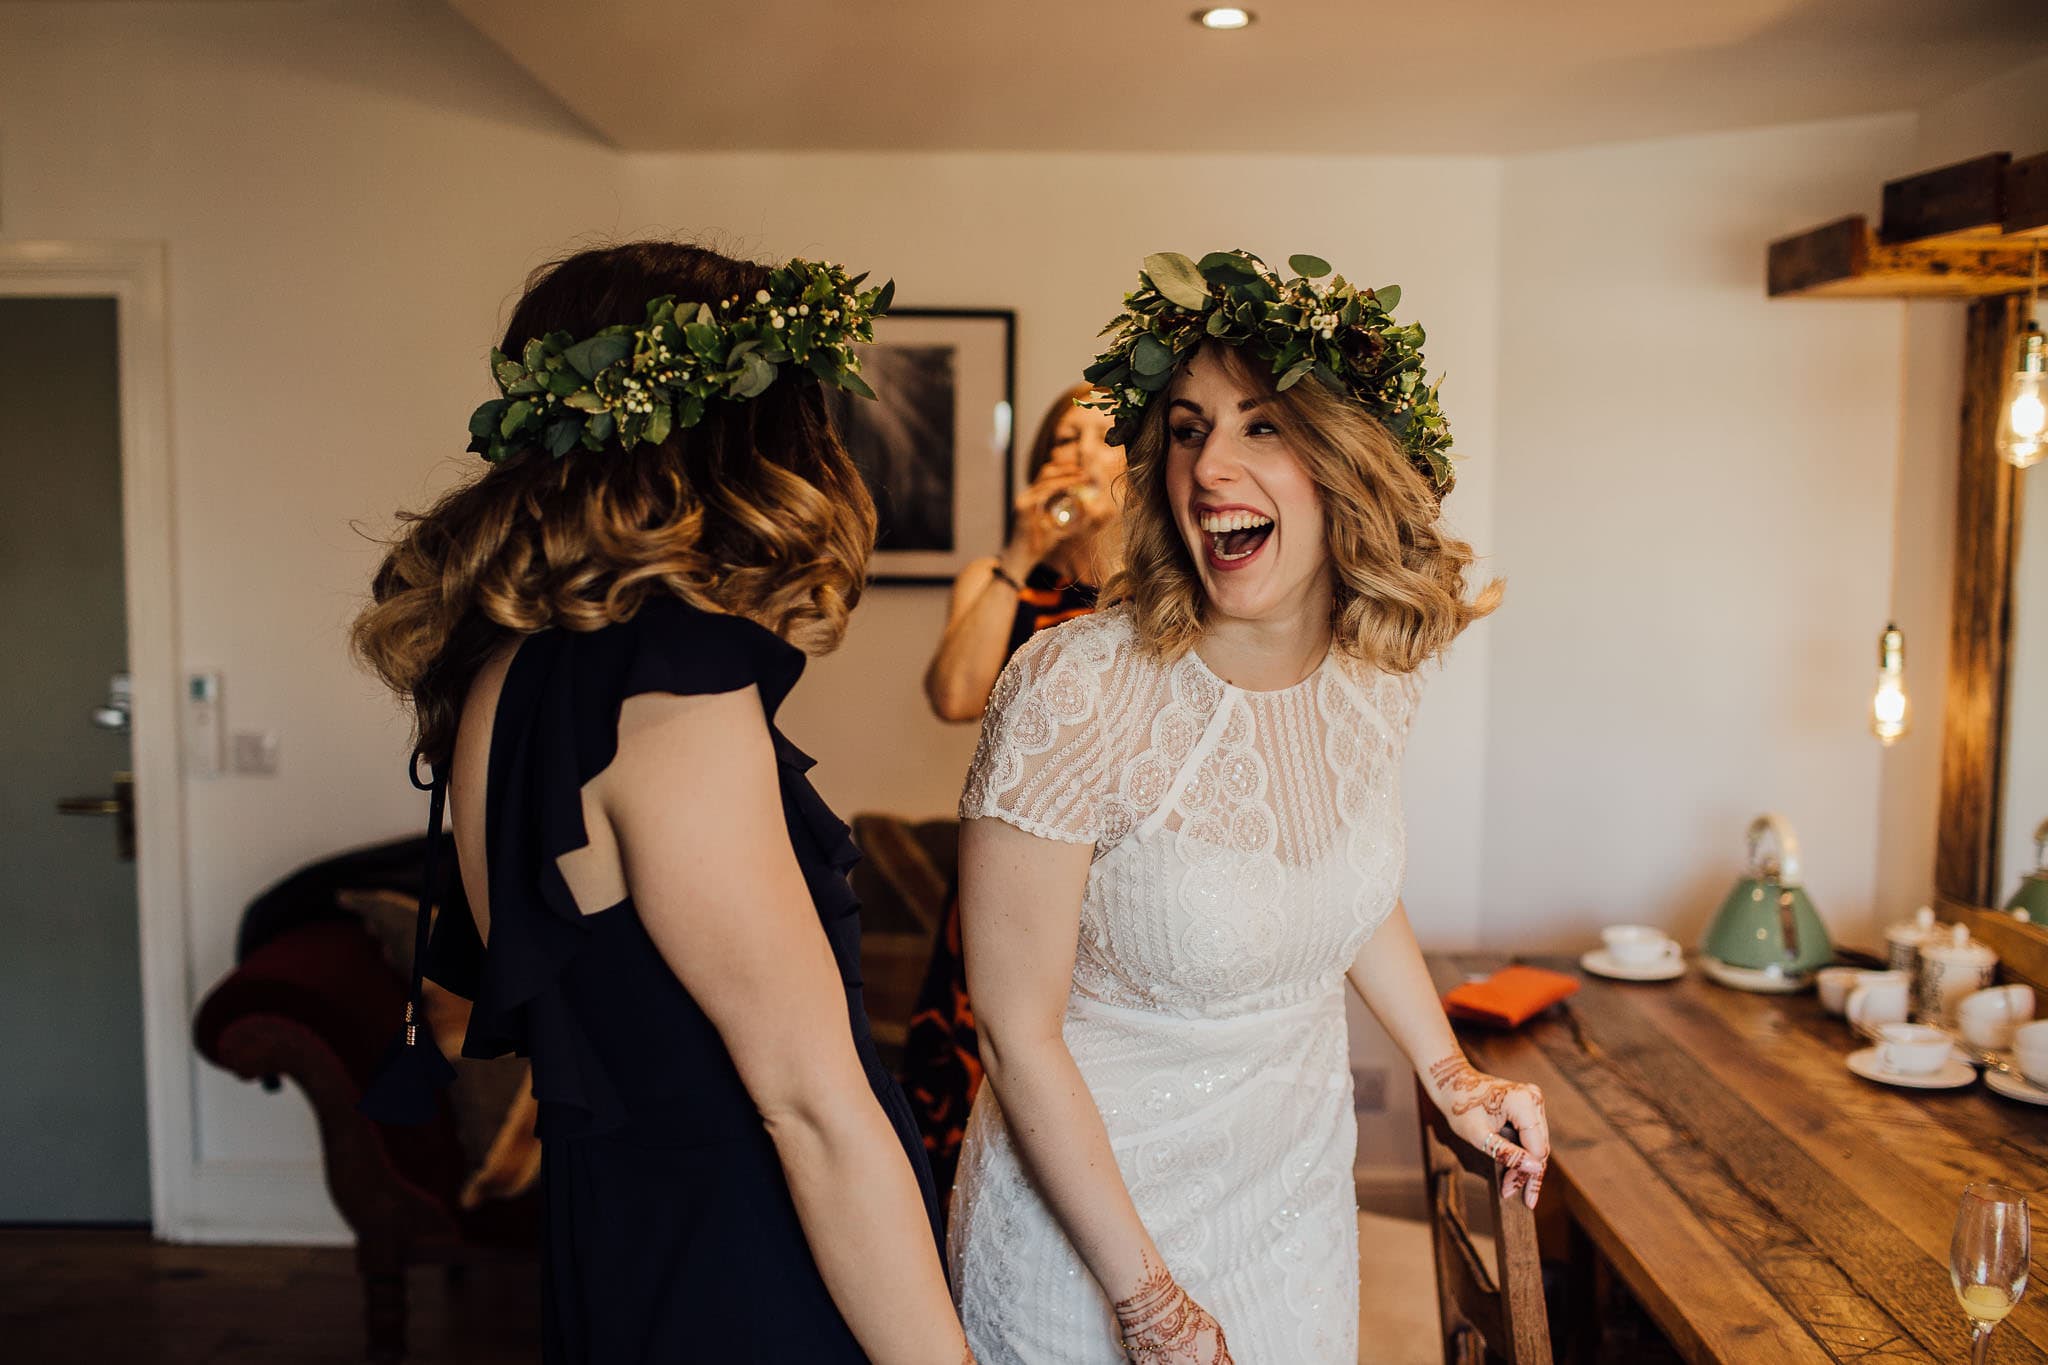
x,y
1695,501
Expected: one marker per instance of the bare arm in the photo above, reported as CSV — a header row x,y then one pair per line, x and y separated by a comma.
x,y
983,608
1393,980
1020,908
716,881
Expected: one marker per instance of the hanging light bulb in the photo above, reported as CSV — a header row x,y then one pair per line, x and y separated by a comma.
x,y
1890,713
2023,425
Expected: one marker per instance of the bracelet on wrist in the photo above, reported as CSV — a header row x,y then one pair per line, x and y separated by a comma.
x,y
1004,574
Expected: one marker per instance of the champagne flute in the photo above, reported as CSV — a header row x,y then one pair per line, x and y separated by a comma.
x,y
1987,1260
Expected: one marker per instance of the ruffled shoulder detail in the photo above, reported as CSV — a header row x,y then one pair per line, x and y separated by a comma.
x,y
557,728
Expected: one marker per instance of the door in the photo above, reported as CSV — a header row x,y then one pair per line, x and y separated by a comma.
x,y
73,1110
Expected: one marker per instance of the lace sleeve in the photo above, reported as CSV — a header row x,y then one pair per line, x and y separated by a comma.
x,y
1039,762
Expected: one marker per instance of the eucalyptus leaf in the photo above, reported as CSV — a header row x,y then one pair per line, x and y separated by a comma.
x,y
756,375
1293,375
1151,356
484,421
515,416
561,434
599,352
657,426
1315,267
1178,280
601,427
1226,266
1389,296
853,383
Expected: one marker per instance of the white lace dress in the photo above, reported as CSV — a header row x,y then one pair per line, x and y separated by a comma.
x,y
1247,844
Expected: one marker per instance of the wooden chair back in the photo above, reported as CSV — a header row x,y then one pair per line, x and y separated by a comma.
x,y
1490,1317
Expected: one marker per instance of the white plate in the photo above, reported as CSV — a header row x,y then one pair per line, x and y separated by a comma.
x,y
1755,978
1953,1073
2014,1086
1601,963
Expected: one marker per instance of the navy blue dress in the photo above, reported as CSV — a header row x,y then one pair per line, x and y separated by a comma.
x,y
669,1233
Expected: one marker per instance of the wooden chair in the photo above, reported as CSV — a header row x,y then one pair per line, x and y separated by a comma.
x,y
1489,1317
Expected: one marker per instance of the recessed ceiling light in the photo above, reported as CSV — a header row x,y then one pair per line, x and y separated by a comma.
x,y
1223,16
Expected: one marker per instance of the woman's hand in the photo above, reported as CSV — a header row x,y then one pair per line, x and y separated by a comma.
x,y
1476,1106
1161,1325
1036,533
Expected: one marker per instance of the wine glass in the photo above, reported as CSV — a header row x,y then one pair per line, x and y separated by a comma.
x,y
1987,1260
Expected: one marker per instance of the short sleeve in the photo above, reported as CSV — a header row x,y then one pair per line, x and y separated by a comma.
x,y
1039,763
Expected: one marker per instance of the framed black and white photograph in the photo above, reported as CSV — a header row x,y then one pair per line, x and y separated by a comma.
x,y
935,445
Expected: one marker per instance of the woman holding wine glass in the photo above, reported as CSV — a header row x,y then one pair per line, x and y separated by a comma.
x,y
1987,1260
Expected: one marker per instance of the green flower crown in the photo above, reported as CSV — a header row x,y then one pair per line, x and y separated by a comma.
x,y
634,384
1343,335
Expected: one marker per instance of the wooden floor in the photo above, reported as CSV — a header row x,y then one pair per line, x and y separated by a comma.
x,y
70,1298
117,1298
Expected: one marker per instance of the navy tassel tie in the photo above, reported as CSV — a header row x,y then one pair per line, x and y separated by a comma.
x,y
413,1073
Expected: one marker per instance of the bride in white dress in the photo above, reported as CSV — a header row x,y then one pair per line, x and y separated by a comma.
x,y
1183,832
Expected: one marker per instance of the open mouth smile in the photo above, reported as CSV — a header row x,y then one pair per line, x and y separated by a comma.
x,y
1233,536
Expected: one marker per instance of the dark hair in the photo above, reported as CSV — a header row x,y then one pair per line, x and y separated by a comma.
x,y
756,510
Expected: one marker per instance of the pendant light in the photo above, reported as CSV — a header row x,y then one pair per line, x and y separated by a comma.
x,y
2023,424
1890,713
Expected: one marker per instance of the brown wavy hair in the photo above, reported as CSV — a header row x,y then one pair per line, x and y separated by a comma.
x,y
1399,579
1049,428
757,511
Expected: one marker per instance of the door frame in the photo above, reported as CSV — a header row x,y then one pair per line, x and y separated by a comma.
x,y
132,274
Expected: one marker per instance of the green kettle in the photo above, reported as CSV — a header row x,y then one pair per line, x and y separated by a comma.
x,y
2030,902
1767,936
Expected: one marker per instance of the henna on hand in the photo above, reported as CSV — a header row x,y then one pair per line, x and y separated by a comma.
x,y
1465,1088
1161,1325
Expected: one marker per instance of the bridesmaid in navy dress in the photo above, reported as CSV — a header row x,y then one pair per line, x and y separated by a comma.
x,y
595,645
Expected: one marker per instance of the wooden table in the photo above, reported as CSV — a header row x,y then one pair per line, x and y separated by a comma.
x,y
1764,1204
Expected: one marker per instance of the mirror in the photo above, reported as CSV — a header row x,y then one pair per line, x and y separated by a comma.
x,y
2023,763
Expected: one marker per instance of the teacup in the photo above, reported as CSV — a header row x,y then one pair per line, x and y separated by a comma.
x,y
1987,1018
1638,945
1913,1049
2030,1050
1879,998
1833,984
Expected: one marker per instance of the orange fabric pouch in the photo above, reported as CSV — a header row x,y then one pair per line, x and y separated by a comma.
x,y
1510,997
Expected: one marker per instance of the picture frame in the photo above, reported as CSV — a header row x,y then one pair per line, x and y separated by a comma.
x,y
937,443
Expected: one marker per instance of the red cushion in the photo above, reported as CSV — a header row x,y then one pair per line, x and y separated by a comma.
x,y
328,977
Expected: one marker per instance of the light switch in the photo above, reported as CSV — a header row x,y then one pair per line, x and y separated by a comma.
x,y
254,753
202,726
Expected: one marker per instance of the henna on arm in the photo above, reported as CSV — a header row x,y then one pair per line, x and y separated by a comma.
x,y
1161,1325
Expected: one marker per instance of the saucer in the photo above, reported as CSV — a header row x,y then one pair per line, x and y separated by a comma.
x,y
1756,978
1600,963
1951,1074
2014,1086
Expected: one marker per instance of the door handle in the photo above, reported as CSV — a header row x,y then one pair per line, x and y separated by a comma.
x,y
121,805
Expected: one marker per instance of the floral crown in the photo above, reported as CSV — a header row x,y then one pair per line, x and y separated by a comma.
x,y
633,384
1343,335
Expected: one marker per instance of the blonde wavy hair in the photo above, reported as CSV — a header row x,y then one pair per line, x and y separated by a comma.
x,y
1399,580
757,511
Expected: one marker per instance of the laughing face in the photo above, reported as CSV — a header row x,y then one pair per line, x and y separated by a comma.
x,y
1251,517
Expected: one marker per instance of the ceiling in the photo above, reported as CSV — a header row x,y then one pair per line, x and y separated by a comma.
x,y
1424,76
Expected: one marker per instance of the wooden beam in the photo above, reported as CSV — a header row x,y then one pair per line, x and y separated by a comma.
x,y
2026,196
1845,260
1980,641
1968,197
